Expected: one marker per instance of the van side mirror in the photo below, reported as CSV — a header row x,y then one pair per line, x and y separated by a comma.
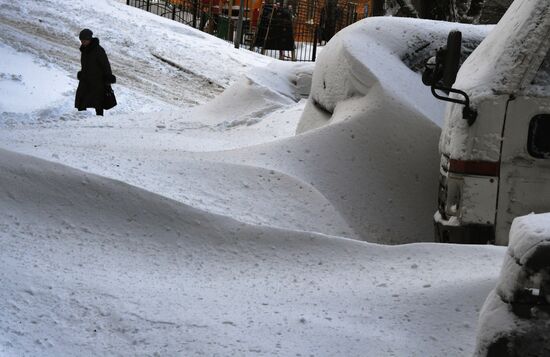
x,y
440,74
442,68
451,63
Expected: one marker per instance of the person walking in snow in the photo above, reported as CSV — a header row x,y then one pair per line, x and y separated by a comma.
x,y
95,77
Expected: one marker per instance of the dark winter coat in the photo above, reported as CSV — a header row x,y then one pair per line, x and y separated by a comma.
x,y
94,78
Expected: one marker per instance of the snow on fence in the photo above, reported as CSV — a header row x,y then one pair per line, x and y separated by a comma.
x,y
289,32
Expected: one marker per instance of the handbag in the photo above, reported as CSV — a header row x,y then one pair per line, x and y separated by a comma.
x,y
109,99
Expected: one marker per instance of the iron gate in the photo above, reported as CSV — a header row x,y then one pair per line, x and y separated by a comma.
x,y
289,30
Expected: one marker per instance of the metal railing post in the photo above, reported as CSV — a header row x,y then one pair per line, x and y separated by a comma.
x,y
148,5
229,36
314,55
195,13
239,25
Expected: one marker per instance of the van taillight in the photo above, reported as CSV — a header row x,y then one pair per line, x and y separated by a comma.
x,y
482,168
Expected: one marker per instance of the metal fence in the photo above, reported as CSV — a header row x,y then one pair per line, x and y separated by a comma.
x,y
289,30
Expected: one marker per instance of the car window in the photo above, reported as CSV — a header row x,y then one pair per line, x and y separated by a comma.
x,y
538,143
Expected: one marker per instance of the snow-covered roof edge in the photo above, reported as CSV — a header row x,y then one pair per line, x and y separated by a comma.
x,y
507,60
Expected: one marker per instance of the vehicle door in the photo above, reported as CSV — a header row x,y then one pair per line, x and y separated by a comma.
x,y
525,155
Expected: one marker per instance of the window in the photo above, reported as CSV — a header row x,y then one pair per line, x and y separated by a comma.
x,y
538,143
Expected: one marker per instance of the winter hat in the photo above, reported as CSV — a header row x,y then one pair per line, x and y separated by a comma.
x,y
85,34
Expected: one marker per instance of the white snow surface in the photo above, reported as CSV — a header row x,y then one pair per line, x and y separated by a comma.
x,y
190,220
97,267
17,69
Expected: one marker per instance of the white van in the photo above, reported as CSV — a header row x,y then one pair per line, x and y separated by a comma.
x,y
495,144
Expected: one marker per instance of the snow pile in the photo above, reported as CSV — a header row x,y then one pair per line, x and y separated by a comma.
x,y
379,174
97,267
258,93
515,317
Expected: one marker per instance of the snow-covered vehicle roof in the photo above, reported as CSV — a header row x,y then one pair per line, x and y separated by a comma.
x,y
508,59
385,51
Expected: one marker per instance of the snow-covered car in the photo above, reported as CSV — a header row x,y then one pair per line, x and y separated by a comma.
x,y
369,105
386,53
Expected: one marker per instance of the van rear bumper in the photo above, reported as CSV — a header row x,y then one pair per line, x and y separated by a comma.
x,y
452,231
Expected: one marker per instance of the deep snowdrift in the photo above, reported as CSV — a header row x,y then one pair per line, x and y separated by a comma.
x,y
380,174
96,267
196,250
